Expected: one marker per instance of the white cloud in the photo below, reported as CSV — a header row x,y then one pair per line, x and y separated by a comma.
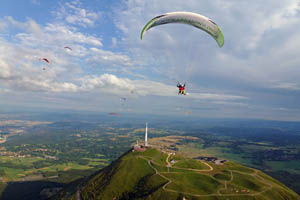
x,y
109,57
287,86
58,34
31,33
4,69
228,103
114,42
64,33
45,85
110,83
36,2
4,91
3,26
217,96
74,14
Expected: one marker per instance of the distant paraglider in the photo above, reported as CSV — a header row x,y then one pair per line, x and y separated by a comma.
x,y
114,114
45,59
69,48
181,88
189,18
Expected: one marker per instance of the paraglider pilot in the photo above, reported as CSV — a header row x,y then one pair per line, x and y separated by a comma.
x,y
181,88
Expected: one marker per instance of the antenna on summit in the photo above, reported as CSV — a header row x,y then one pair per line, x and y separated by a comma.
x,y
146,135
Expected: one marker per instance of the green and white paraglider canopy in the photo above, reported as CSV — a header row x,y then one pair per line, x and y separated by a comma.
x,y
194,19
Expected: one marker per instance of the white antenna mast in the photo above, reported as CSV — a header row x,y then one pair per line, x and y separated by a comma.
x,y
146,134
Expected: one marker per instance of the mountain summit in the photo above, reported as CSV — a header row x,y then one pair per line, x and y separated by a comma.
x,y
154,174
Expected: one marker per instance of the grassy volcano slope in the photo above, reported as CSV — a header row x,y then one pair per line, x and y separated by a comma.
x,y
129,177
145,175
193,183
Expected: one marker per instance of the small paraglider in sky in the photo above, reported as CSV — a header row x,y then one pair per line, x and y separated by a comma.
x,y
123,99
46,60
69,48
181,88
114,114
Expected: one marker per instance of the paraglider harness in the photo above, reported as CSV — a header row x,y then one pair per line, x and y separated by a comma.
x,y
181,88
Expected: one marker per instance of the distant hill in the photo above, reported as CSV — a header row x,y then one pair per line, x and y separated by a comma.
x,y
158,175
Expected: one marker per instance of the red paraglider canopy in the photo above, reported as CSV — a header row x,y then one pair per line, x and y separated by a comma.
x,y
114,114
46,60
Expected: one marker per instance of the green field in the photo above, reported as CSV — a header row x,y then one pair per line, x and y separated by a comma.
x,y
290,166
24,168
190,164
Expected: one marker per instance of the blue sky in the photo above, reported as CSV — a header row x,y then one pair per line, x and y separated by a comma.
x,y
254,75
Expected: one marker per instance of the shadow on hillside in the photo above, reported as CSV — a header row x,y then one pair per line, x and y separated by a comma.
x,y
30,190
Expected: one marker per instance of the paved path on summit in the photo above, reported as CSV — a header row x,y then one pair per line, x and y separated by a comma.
x,y
169,165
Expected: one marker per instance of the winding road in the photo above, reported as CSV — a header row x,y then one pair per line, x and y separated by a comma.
x,y
255,175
